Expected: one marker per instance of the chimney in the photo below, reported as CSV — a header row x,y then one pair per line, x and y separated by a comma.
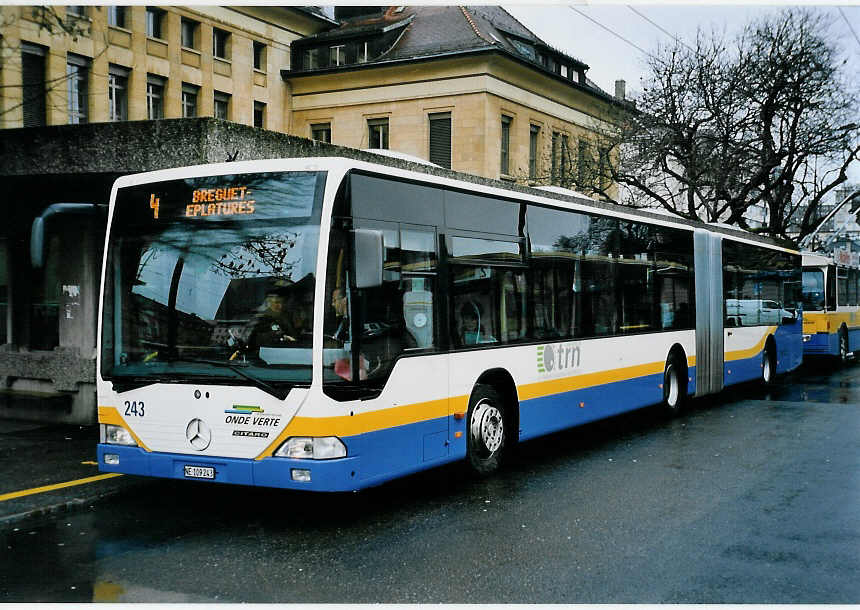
x,y
620,89
342,13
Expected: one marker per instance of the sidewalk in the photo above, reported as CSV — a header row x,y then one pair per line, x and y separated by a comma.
x,y
34,455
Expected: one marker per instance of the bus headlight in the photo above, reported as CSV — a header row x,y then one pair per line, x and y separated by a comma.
x,y
117,435
312,448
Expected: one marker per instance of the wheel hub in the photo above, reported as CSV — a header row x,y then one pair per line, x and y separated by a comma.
x,y
487,427
674,389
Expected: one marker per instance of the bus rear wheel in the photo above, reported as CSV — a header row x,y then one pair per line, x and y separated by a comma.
x,y
843,346
674,390
486,430
768,365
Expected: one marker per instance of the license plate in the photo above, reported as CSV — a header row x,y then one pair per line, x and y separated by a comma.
x,y
200,472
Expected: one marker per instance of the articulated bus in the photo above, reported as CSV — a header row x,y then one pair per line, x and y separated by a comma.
x,y
831,304
330,324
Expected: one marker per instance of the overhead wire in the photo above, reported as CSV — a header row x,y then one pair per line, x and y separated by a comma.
x,y
661,28
848,23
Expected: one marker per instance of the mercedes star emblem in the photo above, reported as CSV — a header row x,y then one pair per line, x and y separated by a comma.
x,y
198,434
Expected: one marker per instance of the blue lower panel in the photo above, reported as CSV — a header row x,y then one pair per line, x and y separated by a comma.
x,y
738,371
547,414
375,457
328,475
828,343
821,344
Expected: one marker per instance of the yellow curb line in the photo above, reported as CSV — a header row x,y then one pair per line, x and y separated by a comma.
x,y
38,490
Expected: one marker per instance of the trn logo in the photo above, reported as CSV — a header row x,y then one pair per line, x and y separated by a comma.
x,y
557,357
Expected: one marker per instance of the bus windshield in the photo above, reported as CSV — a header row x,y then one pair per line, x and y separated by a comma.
x,y
212,278
813,290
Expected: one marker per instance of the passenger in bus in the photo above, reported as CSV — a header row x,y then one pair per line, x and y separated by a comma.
x,y
469,323
339,304
274,326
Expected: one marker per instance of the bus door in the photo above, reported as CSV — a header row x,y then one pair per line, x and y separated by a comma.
x,y
708,261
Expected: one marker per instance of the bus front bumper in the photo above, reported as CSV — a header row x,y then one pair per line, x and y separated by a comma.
x,y
339,474
820,344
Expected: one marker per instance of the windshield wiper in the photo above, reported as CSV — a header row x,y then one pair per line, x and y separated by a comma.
x,y
263,385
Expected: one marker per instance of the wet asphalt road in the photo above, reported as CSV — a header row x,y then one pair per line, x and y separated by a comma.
x,y
752,496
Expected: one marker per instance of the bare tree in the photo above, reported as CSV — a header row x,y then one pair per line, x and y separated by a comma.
x,y
768,119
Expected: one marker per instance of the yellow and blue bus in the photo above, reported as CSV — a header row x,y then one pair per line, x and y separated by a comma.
x,y
330,324
831,304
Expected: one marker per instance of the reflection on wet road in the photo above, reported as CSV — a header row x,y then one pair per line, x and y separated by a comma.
x,y
751,496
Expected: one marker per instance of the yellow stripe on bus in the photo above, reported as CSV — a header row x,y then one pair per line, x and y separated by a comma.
x,y
361,423
751,352
109,415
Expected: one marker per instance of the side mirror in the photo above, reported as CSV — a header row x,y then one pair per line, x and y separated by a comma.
x,y
38,230
369,249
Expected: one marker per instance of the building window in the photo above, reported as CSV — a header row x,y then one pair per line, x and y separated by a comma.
x,y
189,33
189,100
534,138
77,73
555,157
505,162
312,59
377,133
321,132
118,93
603,170
220,43
259,56
76,12
116,16
154,22
259,114
222,105
155,96
565,159
440,139
33,84
337,55
363,52
583,162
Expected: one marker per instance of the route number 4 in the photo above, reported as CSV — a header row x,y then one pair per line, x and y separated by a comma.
x,y
153,203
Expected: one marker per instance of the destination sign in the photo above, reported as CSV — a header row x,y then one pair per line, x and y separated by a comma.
x,y
225,198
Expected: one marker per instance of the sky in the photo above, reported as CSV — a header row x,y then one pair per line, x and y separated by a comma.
x,y
612,38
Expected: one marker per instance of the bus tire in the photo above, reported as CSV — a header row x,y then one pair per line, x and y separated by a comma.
x,y
486,431
674,388
768,364
843,346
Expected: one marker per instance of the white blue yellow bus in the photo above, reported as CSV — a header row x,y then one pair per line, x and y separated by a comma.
x,y
831,304
330,324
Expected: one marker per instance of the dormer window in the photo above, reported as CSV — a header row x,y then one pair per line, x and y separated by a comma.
x,y
337,55
312,59
363,52
523,48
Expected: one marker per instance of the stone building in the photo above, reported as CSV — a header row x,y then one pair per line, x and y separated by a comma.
x,y
90,93
87,64
468,88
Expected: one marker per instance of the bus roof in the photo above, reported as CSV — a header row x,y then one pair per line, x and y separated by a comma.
x,y
411,170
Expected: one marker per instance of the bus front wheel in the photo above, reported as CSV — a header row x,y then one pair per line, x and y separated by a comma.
x,y
486,430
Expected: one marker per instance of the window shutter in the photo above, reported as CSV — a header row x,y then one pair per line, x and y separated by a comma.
x,y
440,139
33,84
